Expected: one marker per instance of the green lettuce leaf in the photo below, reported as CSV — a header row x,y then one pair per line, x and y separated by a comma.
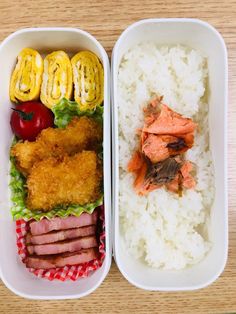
x,y
65,110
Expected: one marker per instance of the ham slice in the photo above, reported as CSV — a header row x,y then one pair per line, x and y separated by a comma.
x,y
62,247
57,223
56,236
46,262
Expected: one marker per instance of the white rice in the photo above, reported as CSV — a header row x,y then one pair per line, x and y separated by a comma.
x,y
162,229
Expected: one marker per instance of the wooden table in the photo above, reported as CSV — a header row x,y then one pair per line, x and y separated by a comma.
x,y
106,20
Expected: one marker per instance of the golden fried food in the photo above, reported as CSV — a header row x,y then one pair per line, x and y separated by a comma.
x,y
64,181
82,133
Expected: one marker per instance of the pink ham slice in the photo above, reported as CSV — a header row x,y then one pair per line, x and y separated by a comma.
x,y
62,247
57,223
56,236
46,262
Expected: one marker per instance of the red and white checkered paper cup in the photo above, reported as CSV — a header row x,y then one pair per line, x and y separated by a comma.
x,y
66,272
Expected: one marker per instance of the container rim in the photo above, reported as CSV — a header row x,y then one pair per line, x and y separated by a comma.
x,y
172,20
56,29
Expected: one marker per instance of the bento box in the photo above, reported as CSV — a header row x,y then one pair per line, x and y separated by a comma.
x,y
198,35
13,272
169,32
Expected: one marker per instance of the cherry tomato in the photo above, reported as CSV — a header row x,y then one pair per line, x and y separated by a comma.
x,y
28,119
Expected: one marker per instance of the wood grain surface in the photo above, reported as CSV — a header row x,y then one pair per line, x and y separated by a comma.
x,y
106,20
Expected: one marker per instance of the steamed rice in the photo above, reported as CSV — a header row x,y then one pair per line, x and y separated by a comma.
x,y
163,229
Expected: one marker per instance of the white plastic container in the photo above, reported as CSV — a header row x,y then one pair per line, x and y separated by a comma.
x,y
201,36
13,272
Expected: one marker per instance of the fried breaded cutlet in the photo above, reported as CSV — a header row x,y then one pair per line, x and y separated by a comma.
x,y
64,181
82,133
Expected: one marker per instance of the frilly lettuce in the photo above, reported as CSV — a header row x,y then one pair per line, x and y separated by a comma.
x,y
65,110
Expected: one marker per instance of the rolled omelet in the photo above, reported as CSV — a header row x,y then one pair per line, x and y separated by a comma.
x,y
88,77
26,78
57,79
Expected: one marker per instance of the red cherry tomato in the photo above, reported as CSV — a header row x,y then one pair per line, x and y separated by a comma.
x,y
29,119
